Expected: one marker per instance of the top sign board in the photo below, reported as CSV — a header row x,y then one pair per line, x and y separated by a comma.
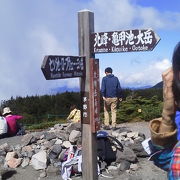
x,y
124,41
61,67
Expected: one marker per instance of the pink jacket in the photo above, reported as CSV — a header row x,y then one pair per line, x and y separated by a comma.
x,y
11,122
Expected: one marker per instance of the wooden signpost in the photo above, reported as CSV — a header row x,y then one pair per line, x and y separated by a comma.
x,y
86,67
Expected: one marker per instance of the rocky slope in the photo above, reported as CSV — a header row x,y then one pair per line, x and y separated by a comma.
x,y
19,155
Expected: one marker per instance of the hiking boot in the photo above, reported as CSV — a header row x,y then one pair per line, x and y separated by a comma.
x,y
114,128
106,128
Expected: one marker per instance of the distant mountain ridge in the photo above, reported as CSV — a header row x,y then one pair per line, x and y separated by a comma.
x,y
64,89
158,85
76,89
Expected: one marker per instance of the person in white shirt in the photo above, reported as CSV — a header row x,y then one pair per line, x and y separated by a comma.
x,y
3,127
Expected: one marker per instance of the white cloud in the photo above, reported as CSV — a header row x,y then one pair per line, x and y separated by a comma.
x,y
125,14
147,76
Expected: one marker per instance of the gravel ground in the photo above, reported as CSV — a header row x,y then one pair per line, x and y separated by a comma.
x,y
146,170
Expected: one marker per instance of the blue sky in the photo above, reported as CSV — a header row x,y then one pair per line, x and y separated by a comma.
x,y
32,29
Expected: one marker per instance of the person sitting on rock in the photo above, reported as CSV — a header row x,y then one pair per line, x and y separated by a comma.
x,y
3,126
75,115
13,125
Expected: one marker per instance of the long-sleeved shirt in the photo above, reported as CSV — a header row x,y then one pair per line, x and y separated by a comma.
x,y
111,87
12,125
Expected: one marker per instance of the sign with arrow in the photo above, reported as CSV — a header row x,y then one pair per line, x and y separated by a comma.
x,y
60,67
124,41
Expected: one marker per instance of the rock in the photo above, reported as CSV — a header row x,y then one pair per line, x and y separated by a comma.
x,y
55,151
127,155
43,174
2,153
138,150
114,133
62,136
6,147
52,171
10,155
134,167
48,136
25,162
74,136
132,134
39,160
125,165
58,126
73,126
58,141
14,163
27,148
27,139
112,168
66,144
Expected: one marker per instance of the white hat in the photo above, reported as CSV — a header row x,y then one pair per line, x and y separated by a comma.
x,y
6,110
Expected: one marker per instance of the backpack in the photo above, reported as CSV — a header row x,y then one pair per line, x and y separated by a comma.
x,y
107,147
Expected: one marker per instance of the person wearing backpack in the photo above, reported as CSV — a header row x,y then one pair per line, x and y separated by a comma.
x,y
165,131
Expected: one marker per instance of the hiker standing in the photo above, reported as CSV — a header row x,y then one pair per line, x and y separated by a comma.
x,y
13,126
75,115
111,93
165,132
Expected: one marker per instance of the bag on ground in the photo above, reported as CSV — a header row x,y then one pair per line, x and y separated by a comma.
x,y
107,147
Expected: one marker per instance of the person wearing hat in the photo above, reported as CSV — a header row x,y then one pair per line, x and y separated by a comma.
x,y
111,93
11,121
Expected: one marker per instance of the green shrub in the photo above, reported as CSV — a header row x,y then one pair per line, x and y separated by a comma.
x,y
139,109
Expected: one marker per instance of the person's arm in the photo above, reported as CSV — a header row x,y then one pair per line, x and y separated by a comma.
x,y
18,117
103,88
119,90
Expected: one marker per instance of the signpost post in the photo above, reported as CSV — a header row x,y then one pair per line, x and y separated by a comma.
x,y
89,150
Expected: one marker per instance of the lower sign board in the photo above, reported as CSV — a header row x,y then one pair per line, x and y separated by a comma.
x,y
61,67
94,94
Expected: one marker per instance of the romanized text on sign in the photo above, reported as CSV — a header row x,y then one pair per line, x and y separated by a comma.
x,y
124,41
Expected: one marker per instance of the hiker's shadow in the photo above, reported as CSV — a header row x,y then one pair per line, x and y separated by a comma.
x,y
8,174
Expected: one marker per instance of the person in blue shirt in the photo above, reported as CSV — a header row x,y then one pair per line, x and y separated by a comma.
x,y
111,93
